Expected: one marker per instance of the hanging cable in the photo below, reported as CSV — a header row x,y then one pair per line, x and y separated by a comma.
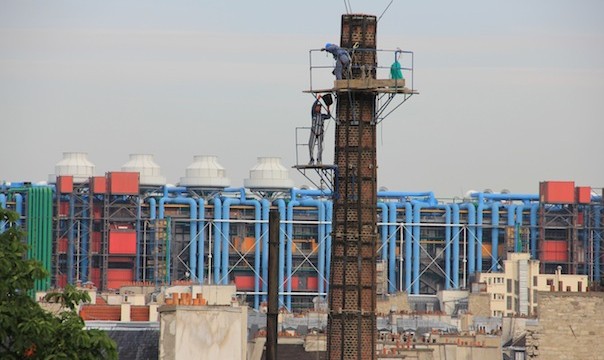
x,y
346,7
386,9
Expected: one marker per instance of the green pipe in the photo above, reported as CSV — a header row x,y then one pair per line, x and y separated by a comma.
x,y
48,234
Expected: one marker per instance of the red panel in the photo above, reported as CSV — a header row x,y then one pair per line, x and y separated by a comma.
x,y
62,246
583,194
580,218
554,251
557,192
99,185
295,283
119,277
65,184
64,208
123,183
244,282
312,283
122,242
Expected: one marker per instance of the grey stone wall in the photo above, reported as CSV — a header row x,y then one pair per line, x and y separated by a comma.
x,y
570,326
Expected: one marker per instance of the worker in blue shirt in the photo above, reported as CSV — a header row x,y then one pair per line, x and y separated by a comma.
x,y
341,57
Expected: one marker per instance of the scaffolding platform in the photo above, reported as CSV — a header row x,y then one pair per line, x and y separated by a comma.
x,y
380,86
327,174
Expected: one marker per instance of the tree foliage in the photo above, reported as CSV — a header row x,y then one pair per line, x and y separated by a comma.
x,y
27,330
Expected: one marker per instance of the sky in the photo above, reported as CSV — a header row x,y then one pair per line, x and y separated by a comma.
x,y
510,92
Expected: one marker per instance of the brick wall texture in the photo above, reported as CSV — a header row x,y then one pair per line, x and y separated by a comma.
x,y
570,326
352,298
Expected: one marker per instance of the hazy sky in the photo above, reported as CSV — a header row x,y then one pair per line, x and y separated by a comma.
x,y
512,92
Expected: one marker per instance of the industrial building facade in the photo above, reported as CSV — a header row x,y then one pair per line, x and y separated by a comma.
x,y
116,229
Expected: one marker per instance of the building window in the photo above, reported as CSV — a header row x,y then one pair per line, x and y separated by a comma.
x,y
560,286
535,281
509,303
580,286
550,282
534,296
509,286
568,288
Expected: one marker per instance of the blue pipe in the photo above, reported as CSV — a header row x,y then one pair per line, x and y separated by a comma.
x,y
455,229
494,235
217,238
152,235
504,197
173,189
283,218
408,245
478,252
192,226
201,241
328,226
3,206
226,230
471,234
294,193
423,196
19,208
597,242
518,227
152,208
257,248
533,220
383,231
389,242
266,207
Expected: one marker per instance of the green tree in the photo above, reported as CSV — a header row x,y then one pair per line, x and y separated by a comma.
x,y
30,332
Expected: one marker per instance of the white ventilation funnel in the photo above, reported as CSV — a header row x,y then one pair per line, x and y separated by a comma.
x,y
205,172
268,174
148,169
75,164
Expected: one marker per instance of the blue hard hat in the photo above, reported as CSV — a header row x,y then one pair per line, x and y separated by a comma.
x,y
327,45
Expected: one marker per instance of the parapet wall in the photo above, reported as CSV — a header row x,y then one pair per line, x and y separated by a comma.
x,y
571,326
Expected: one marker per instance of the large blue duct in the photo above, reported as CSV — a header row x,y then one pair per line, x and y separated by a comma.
x,y
266,207
455,244
3,206
282,226
201,241
192,223
383,229
471,236
328,226
217,238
